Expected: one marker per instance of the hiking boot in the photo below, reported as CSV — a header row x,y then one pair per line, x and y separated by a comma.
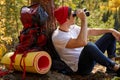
x,y
118,72
111,72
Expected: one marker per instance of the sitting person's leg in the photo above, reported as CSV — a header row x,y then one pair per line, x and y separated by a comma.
x,y
107,43
89,56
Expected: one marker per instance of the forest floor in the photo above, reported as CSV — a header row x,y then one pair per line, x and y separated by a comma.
x,y
98,74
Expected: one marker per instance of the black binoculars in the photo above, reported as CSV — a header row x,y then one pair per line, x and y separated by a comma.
x,y
85,10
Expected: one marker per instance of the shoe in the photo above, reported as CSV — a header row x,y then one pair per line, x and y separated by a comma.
x,y
118,72
111,72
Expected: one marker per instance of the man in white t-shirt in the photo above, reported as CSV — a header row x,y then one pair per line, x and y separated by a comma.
x,y
70,41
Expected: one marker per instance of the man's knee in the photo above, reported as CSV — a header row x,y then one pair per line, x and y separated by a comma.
x,y
109,35
90,44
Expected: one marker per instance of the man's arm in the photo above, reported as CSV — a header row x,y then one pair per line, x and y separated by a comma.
x,y
81,40
100,31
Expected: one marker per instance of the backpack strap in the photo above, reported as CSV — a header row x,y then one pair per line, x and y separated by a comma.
x,y
24,66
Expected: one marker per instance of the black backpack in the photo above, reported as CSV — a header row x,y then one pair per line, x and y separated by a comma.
x,y
57,64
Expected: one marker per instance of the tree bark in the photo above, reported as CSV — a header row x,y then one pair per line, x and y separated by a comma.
x,y
48,5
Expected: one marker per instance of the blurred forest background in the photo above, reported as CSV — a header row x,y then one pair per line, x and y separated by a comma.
x,y
103,14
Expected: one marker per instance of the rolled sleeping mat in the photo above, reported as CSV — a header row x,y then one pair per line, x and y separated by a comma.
x,y
2,50
35,62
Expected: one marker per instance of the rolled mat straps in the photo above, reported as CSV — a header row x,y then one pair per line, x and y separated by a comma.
x,y
34,62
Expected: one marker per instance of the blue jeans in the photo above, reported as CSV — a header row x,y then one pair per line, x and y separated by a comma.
x,y
93,53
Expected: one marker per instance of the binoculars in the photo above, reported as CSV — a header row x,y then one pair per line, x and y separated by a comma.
x,y
85,10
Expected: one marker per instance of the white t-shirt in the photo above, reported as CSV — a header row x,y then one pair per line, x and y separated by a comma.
x,y
60,39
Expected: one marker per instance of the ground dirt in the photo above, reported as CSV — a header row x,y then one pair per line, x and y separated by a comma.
x,y
98,74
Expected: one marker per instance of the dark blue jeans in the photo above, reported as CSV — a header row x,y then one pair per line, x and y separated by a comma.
x,y
93,53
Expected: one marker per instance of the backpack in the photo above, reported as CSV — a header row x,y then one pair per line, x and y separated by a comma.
x,y
57,64
33,35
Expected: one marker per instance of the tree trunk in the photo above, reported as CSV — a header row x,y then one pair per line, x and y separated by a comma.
x,y
48,5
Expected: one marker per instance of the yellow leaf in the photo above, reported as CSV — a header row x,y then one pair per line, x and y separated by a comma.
x,y
2,2
102,7
2,50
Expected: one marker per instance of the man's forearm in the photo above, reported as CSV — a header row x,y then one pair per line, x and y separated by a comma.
x,y
83,33
98,31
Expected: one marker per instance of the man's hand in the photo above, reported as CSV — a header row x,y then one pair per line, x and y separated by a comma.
x,y
116,34
81,14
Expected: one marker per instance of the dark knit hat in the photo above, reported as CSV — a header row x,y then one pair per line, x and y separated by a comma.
x,y
61,14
